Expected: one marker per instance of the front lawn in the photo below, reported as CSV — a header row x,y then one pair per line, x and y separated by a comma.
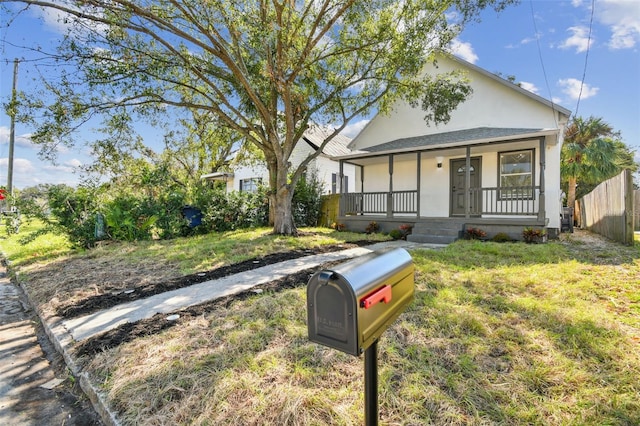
x,y
498,334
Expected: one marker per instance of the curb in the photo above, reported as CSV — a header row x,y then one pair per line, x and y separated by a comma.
x,y
61,340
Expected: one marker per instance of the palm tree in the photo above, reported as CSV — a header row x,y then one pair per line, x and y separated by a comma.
x,y
589,154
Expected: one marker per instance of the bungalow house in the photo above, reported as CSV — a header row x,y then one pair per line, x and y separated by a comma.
x,y
494,166
248,177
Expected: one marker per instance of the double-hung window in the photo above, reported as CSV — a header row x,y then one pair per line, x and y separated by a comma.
x,y
250,185
516,174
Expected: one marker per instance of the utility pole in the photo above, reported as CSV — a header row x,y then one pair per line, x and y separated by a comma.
x,y
12,131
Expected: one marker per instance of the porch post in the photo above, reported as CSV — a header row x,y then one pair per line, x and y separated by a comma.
x,y
390,194
341,200
361,190
467,184
541,201
418,171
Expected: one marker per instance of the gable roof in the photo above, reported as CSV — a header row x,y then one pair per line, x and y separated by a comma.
x,y
511,85
558,114
315,136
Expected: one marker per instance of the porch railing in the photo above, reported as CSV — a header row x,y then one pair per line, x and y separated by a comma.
x,y
516,200
484,201
404,202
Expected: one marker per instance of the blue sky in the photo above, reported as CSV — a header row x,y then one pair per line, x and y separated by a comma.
x,y
544,44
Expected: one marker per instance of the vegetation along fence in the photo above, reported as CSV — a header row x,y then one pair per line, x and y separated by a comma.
x,y
608,209
636,210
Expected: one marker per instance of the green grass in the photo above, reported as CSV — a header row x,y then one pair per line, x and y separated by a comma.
x,y
29,246
497,334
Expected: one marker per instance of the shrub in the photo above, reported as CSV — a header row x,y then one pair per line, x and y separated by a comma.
x,y
396,234
533,235
474,234
338,226
501,237
306,200
372,227
405,229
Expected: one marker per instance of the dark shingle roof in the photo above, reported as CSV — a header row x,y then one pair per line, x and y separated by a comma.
x,y
458,136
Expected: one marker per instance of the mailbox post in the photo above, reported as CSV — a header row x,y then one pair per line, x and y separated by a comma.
x,y
351,305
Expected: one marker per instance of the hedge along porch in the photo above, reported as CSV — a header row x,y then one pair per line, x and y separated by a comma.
x,y
501,177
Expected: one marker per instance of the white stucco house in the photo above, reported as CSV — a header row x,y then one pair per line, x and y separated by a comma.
x,y
247,178
495,165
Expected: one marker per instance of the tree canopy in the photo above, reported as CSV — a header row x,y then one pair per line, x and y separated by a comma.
x,y
592,153
266,70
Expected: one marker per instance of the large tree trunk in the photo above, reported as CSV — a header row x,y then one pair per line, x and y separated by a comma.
x,y
283,214
280,199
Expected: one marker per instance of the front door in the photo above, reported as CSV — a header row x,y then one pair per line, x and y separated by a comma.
x,y
458,174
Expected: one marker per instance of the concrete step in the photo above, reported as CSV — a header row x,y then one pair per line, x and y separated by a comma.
x,y
431,239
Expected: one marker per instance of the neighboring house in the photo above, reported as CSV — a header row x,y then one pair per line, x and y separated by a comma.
x,y
247,178
495,165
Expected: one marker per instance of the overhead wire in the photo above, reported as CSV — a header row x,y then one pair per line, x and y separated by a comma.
x,y
586,56
544,71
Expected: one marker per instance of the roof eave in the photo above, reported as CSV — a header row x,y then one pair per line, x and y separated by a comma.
x,y
450,145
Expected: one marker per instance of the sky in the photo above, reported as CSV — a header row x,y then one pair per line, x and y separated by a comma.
x,y
582,54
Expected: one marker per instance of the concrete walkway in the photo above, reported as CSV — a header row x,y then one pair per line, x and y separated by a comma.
x,y
87,326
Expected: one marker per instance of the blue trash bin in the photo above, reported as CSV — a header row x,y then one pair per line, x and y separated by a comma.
x,y
193,216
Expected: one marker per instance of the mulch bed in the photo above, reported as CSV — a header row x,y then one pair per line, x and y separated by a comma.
x,y
107,300
130,331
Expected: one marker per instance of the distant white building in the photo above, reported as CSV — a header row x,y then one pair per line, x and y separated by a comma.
x,y
248,178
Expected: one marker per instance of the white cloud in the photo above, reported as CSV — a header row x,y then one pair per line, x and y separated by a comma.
x,y
463,50
22,141
623,19
20,166
571,88
74,162
61,22
28,173
530,87
579,39
352,129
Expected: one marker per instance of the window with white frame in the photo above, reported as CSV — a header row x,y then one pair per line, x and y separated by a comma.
x,y
250,184
516,174
335,183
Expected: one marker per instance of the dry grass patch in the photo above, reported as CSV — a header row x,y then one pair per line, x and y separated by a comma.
x,y
498,334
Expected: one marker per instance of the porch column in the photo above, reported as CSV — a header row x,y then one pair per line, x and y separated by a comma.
x,y
418,170
390,194
341,199
361,206
467,185
541,201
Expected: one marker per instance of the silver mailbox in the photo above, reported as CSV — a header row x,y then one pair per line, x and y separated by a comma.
x,y
351,305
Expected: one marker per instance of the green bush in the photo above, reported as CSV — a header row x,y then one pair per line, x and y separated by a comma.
x,y
501,237
396,234
306,200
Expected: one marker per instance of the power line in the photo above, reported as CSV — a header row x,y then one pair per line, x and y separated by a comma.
x,y
586,56
544,71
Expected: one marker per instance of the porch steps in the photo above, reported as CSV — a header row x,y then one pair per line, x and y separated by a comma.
x,y
436,231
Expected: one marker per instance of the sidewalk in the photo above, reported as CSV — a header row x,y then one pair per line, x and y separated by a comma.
x,y
33,390
65,333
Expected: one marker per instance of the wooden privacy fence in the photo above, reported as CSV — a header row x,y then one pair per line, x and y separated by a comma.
x,y
608,209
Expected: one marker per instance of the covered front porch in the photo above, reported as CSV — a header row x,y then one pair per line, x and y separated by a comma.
x,y
499,186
